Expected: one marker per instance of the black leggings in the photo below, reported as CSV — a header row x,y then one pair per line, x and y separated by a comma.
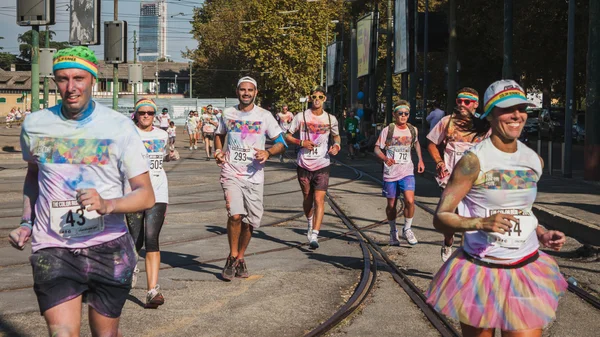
x,y
145,226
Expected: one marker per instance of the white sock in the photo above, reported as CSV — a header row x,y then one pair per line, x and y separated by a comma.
x,y
392,225
315,234
407,223
310,221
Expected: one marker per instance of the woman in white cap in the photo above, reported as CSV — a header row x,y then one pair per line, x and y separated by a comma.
x,y
499,279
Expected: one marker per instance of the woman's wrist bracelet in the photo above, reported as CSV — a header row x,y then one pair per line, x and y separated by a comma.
x,y
27,223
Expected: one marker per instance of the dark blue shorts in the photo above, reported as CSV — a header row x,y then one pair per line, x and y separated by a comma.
x,y
392,189
102,274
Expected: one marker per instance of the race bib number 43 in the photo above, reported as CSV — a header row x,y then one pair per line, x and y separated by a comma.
x,y
69,220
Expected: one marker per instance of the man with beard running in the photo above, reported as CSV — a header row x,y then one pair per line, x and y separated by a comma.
x,y
455,134
242,176
315,127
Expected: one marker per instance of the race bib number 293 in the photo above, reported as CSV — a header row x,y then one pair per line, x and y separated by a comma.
x,y
241,156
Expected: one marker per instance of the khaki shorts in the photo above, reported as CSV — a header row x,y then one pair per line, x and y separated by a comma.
x,y
244,198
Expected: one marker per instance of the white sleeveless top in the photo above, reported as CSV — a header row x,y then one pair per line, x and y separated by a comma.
x,y
507,183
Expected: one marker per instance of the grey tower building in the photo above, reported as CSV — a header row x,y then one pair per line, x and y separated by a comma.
x,y
153,31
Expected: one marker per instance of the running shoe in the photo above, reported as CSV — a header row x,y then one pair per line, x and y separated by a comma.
x,y
190,148
195,147
446,252
207,158
230,268
154,298
134,277
314,242
241,270
409,236
394,241
309,232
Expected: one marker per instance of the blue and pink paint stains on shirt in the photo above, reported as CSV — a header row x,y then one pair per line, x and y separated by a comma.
x,y
154,145
401,140
246,131
50,150
317,129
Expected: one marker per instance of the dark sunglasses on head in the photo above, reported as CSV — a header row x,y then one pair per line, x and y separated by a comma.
x,y
466,101
319,97
142,113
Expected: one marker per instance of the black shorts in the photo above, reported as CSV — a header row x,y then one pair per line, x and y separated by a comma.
x,y
102,274
313,180
209,135
350,138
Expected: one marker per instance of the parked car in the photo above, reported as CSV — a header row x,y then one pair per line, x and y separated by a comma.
x,y
579,127
552,123
532,124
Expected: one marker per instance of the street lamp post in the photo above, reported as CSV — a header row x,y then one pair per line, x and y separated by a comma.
x,y
175,85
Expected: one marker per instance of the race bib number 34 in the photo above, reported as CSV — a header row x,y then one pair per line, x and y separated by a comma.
x,y
520,232
69,220
317,152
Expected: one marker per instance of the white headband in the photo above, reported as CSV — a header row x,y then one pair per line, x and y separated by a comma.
x,y
247,79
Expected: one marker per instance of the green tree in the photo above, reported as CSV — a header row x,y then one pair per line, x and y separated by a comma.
x,y
6,59
26,40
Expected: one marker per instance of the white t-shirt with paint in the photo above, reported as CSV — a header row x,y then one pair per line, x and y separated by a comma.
x,y
318,131
164,120
101,151
245,132
156,142
399,150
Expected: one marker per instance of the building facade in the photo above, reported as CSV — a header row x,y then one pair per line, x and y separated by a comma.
x,y
153,31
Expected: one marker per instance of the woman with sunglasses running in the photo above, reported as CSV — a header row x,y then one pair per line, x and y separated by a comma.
x,y
453,135
499,279
145,226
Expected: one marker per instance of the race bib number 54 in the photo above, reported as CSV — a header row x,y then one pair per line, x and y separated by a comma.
x,y
69,220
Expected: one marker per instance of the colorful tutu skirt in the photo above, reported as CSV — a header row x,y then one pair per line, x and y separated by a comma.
x,y
521,298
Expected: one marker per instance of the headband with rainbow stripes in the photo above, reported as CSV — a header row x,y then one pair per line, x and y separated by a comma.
x,y
503,96
467,95
145,102
401,107
71,61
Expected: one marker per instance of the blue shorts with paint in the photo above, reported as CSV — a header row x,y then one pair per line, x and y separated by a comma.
x,y
392,189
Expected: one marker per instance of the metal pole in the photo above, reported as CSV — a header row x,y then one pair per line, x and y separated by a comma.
x,y
46,82
190,79
388,64
425,51
343,104
322,61
134,62
35,68
592,114
452,57
550,148
373,66
353,69
157,83
414,77
508,38
115,100
566,164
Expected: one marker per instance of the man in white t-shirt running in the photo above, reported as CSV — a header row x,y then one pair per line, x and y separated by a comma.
x,y
242,176
209,125
397,140
164,119
73,201
315,127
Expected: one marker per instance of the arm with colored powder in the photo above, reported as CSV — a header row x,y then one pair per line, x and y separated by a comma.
x,y
461,181
31,190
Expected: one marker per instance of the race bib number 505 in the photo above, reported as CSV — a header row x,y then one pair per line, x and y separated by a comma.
x,y
69,220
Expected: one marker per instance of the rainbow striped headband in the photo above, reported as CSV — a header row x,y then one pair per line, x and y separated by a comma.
x,y
145,102
67,62
502,96
468,95
401,107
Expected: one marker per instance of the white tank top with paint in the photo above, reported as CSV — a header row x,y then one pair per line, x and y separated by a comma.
x,y
507,183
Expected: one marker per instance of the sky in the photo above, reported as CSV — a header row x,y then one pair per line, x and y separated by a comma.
x,y
178,28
